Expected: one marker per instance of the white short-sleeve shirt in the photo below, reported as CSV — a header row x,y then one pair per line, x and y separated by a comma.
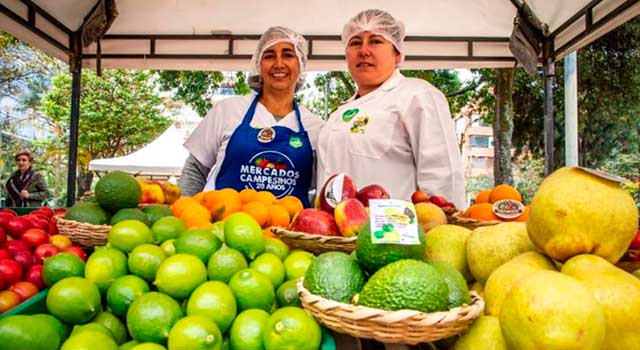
x,y
400,136
208,142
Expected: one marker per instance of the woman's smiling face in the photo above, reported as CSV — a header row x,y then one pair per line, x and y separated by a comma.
x,y
371,59
279,67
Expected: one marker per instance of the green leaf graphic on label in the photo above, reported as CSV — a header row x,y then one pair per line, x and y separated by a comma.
x,y
379,234
349,114
387,228
295,142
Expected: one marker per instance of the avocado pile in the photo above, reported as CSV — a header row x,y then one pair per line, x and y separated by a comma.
x,y
387,276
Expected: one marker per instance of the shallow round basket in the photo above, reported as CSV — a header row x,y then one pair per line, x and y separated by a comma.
x,y
82,233
392,327
458,219
316,244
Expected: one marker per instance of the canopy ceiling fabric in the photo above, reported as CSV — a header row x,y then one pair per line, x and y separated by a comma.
x,y
222,34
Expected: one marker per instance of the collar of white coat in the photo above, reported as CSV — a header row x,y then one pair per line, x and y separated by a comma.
x,y
388,85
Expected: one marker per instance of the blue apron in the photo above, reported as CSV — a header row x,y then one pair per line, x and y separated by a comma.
x,y
275,159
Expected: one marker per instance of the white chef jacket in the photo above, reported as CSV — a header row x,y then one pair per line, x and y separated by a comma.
x,y
400,136
208,142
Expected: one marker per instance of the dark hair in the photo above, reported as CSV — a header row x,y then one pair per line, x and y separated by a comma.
x,y
23,153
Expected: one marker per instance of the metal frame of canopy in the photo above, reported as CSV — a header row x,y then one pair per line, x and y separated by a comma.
x,y
30,22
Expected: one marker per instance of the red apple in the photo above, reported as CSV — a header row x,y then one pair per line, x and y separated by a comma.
x,y
1,283
59,211
4,219
8,211
25,259
371,192
315,221
38,221
44,251
15,245
34,275
24,289
635,243
419,196
77,251
53,228
5,254
10,271
3,236
438,200
46,211
351,215
17,226
35,237
336,189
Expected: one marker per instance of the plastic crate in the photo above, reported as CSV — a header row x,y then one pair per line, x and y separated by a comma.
x,y
34,305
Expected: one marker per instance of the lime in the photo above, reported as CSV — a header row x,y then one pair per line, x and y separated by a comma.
x,y
151,316
224,263
91,327
270,265
287,294
148,346
114,325
73,300
195,332
145,259
17,332
291,328
89,340
168,246
50,322
179,275
156,211
252,289
130,214
61,266
104,266
218,229
277,247
197,242
215,301
243,233
166,228
129,234
123,291
130,344
226,345
297,263
246,331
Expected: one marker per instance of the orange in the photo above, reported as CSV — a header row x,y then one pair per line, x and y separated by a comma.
x,y
196,222
504,191
278,216
195,211
224,203
208,197
248,195
482,212
523,217
265,197
199,196
266,233
483,196
292,204
257,210
181,204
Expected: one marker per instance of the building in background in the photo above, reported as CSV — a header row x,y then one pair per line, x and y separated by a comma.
x,y
475,138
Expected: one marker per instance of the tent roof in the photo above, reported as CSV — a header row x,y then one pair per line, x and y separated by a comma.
x,y
221,34
164,156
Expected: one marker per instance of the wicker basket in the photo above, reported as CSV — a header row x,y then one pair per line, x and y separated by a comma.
x,y
82,233
458,219
393,327
316,244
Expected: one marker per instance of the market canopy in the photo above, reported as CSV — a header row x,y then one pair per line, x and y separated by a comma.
x,y
221,35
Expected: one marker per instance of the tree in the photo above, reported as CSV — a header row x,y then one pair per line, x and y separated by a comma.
x,y
197,88
120,112
503,127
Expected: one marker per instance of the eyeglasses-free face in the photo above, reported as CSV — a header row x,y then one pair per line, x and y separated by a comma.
x,y
22,160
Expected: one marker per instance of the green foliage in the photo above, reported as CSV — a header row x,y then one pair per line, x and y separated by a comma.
x,y
475,184
120,112
528,177
195,88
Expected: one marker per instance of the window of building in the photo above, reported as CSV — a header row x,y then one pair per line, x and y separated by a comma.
x,y
481,141
477,120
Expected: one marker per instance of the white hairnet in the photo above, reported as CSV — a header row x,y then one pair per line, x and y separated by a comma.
x,y
377,22
270,37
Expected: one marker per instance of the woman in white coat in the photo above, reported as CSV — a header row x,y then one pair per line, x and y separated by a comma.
x,y
396,132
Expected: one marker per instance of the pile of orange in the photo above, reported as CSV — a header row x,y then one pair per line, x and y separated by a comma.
x,y
211,206
483,208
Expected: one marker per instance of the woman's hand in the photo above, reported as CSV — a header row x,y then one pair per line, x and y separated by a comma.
x,y
24,194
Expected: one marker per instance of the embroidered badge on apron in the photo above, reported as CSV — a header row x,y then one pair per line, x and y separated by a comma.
x,y
349,114
358,126
266,135
295,142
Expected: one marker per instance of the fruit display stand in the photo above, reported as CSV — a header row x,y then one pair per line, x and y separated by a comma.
x,y
392,327
314,243
82,233
34,305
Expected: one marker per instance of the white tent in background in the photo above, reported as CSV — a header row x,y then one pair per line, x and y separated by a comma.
x,y
163,157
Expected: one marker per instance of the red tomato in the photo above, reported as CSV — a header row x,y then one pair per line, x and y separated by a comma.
x,y
8,300
24,289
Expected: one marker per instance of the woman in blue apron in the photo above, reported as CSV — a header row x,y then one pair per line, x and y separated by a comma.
x,y
264,141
